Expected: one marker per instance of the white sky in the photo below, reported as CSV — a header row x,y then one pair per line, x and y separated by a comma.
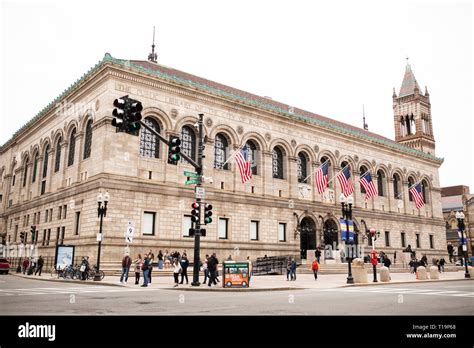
x,y
328,57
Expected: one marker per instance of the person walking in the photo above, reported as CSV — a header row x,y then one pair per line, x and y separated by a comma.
x,y
151,258
212,267
126,263
442,262
205,268
84,268
317,253
315,268
288,269
39,268
450,252
138,267
145,269
160,260
26,263
184,262
293,269
394,257
216,272
176,271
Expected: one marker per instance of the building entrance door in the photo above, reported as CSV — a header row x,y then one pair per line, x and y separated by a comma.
x,y
330,231
307,236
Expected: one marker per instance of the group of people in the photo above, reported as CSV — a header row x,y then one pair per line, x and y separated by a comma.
x,y
141,264
30,265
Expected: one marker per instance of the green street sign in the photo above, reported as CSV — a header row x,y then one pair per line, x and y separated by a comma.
x,y
190,174
190,182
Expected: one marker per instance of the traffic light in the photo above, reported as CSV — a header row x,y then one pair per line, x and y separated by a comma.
x,y
208,214
33,233
134,116
119,113
22,237
174,150
196,212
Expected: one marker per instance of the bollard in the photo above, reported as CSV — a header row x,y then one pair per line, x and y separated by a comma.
x,y
434,272
358,271
421,272
384,274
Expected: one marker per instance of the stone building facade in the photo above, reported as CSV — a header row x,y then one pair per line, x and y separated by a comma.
x,y
53,168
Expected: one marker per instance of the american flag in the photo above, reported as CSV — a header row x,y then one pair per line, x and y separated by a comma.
x,y
322,177
245,166
344,178
368,184
417,194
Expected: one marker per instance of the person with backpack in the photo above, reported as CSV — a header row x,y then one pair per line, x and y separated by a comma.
x,y
184,262
145,269
315,268
138,268
126,263
176,271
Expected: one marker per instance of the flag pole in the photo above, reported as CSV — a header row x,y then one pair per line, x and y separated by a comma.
x,y
233,154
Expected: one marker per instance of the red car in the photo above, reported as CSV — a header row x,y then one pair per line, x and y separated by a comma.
x,y
4,266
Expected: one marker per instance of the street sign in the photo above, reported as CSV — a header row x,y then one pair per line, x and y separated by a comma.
x,y
190,182
130,231
190,174
200,192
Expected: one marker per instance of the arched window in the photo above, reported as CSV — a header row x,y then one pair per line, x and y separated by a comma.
x,y
220,152
35,167
252,151
72,147
188,142
88,140
302,165
277,163
411,182
362,171
57,160
424,189
396,186
149,142
25,171
45,161
381,182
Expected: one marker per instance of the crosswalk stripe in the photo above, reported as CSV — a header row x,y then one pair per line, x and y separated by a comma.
x,y
404,291
74,290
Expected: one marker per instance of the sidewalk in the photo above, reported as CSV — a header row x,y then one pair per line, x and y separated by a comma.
x,y
257,283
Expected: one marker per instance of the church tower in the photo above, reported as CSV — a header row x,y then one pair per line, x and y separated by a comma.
x,y
412,115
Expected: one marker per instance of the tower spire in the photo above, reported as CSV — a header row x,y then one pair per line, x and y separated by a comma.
x,y
152,57
365,125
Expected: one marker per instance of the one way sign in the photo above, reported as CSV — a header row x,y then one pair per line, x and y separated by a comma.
x,y
129,236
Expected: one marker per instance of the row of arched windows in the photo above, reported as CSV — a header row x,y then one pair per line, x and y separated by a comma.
x,y
57,160
149,147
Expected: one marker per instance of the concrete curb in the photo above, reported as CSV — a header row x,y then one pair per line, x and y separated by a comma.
x,y
233,289
404,282
70,281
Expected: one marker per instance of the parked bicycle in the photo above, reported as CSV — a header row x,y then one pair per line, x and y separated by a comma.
x,y
92,272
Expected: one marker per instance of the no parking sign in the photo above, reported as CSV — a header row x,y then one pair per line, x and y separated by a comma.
x,y
130,231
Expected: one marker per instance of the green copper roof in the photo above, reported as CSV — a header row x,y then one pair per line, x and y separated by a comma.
x,y
227,94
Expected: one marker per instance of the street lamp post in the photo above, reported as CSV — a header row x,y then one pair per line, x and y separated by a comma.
x,y
102,200
346,205
461,227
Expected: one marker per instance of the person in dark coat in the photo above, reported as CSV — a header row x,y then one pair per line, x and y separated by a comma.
x,y
39,267
146,270
317,253
387,262
212,267
184,268
293,269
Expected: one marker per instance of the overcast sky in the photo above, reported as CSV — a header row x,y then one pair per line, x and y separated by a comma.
x,y
328,57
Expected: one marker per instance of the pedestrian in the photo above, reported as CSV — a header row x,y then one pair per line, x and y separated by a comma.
x,y
216,271
166,258
450,252
212,266
205,269
146,270
288,269
229,258
176,271
293,269
84,268
160,260
315,268
184,262
151,258
424,261
317,253
442,262
138,267
31,266
126,263
395,257
26,263
39,267
250,267
387,262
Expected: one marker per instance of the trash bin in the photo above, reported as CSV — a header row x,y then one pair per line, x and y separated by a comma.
x,y
235,274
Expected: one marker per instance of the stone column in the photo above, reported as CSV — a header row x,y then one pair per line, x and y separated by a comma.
x,y
267,157
50,171
39,175
79,153
390,193
292,177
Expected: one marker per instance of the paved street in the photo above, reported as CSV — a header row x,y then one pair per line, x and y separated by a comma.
x,y
20,296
